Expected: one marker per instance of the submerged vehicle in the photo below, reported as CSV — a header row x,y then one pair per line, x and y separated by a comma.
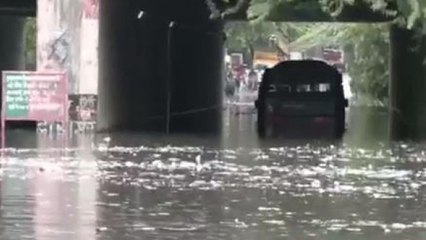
x,y
299,98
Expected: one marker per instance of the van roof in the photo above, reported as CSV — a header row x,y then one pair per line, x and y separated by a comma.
x,y
304,69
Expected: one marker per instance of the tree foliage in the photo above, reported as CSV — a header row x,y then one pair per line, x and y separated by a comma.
x,y
366,45
366,48
366,53
245,37
30,33
410,13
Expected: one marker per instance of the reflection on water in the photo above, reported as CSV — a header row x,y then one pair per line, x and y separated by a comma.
x,y
47,192
198,187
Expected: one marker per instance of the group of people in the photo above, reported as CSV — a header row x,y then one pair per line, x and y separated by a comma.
x,y
240,79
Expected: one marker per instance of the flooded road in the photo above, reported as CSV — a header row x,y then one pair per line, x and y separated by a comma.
x,y
198,187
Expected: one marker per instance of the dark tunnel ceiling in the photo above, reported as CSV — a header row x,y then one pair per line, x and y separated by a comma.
x,y
18,7
196,10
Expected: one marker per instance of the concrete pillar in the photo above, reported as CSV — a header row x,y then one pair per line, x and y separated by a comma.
x,y
408,85
58,38
89,41
12,44
134,74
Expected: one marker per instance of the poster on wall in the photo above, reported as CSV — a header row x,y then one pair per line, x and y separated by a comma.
x,y
34,96
83,112
83,108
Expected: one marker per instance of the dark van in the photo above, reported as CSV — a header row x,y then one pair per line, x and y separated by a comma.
x,y
299,98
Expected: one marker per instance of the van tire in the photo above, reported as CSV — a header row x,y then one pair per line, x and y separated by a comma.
x,y
260,122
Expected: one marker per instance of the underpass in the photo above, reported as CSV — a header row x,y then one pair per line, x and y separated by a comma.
x,y
161,59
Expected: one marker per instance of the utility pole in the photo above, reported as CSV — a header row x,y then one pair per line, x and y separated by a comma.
x,y
169,76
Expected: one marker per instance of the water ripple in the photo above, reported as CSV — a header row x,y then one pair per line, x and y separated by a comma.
x,y
293,192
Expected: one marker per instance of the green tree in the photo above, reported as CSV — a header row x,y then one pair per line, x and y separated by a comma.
x,y
30,33
243,36
366,48
409,13
367,53
246,36
366,45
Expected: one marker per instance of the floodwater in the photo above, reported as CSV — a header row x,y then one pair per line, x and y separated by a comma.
x,y
132,186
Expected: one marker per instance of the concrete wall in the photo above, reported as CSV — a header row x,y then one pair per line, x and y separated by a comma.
x,y
88,83
408,85
134,74
58,38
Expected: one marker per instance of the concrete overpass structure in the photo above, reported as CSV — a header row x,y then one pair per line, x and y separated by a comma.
x,y
159,76
18,7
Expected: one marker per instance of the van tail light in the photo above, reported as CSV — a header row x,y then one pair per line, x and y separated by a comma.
x,y
322,120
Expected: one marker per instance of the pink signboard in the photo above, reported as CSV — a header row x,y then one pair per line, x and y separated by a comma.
x,y
34,96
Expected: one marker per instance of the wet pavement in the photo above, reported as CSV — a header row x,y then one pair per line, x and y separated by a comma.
x,y
139,186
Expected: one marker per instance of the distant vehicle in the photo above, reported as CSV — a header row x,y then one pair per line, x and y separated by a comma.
x,y
335,58
268,59
236,60
303,97
296,56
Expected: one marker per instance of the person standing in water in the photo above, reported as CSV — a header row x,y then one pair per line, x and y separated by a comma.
x,y
252,80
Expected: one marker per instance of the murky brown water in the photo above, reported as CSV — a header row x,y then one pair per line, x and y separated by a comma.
x,y
195,187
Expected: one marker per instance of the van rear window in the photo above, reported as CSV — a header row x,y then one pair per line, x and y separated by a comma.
x,y
300,88
303,88
322,87
282,88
